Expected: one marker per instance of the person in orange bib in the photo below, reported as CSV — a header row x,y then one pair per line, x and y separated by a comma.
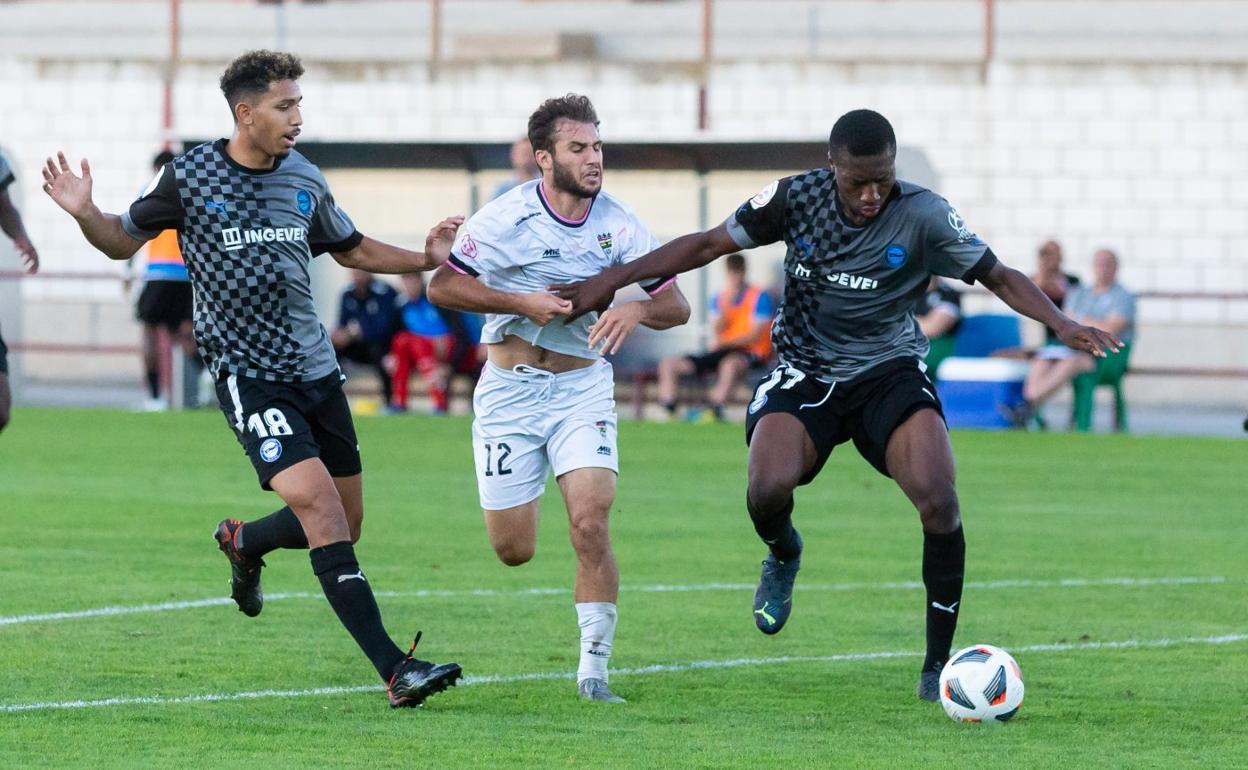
x,y
166,301
743,315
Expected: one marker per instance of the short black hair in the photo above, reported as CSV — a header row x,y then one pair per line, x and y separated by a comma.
x,y
862,132
735,262
162,157
252,73
545,120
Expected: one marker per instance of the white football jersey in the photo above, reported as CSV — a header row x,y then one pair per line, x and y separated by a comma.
x,y
518,244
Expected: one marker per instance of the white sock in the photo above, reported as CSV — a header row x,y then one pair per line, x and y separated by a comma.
x,y
597,622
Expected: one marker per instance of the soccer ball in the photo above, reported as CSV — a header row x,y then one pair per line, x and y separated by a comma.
x,y
981,683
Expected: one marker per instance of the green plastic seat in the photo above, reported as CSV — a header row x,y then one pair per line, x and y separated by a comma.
x,y
1109,372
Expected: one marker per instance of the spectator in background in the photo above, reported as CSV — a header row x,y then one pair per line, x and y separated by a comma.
x,y
366,324
11,224
939,314
434,341
165,301
742,324
1105,305
1052,280
523,167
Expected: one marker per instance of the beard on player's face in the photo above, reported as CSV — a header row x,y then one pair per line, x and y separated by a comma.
x,y
571,179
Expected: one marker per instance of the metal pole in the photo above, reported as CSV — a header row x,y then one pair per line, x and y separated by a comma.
x,y
705,75
435,37
990,36
704,289
280,11
171,70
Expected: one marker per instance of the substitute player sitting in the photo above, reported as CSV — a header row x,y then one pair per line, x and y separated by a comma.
x,y
545,400
862,247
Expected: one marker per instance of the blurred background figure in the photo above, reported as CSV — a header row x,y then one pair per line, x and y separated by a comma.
x,y
11,224
1052,280
165,303
742,324
523,167
1106,305
366,325
939,314
436,342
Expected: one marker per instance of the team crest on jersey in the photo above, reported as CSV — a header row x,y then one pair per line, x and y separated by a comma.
x,y
895,255
601,425
303,199
270,450
604,243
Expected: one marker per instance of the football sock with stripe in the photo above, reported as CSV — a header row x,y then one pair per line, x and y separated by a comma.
x,y
944,558
280,529
352,598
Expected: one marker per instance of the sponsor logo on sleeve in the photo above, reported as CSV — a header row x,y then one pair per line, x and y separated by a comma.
x,y
959,227
468,247
764,195
303,199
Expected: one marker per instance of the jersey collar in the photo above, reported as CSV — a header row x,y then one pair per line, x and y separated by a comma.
x,y
541,196
219,146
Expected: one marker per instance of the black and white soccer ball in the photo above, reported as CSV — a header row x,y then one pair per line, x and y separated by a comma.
x,y
981,683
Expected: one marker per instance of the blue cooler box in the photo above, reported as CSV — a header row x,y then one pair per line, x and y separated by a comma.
x,y
979,392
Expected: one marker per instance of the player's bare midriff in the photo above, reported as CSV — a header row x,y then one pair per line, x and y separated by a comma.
x,y
513,351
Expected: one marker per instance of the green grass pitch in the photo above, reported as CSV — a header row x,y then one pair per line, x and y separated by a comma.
x,y
1074,541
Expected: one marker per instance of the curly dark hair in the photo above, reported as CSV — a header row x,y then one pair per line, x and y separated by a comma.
x,y
252,73
545,120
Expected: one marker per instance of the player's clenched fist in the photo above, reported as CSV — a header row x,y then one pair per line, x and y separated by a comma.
x,y
542,307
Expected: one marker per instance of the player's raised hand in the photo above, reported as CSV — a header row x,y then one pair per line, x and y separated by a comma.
x,y
614,326
591,294
71,192
30,257
1089,339
542,307
440,239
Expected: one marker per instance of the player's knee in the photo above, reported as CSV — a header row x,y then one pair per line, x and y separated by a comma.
x,y
768,495
590,536
514,554
938,509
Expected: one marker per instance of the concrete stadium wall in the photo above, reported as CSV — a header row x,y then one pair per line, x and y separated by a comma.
x,y
1103,123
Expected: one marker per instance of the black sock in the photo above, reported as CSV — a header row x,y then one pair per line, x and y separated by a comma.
x,y
944,558
351,596
280,529
153,383
718,411
776,530
670,406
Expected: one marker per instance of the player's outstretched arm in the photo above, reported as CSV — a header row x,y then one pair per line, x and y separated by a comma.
x,y
676,256
73,193
11,224
664,310
453,290
378,257
1017,291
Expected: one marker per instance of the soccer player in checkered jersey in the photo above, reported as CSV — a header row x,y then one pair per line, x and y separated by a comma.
x,y
11,224
251,213
545,401
861,248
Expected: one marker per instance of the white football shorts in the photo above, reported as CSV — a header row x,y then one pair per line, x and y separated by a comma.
x,y
529,422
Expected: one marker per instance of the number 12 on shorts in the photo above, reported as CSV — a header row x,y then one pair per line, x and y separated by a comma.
x,y
273,423
504,452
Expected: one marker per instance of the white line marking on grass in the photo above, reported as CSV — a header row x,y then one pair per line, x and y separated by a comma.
x,y
99,612
658,668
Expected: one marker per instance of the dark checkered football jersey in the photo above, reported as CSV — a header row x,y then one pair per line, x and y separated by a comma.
x,y
6,174
248,237
850,292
